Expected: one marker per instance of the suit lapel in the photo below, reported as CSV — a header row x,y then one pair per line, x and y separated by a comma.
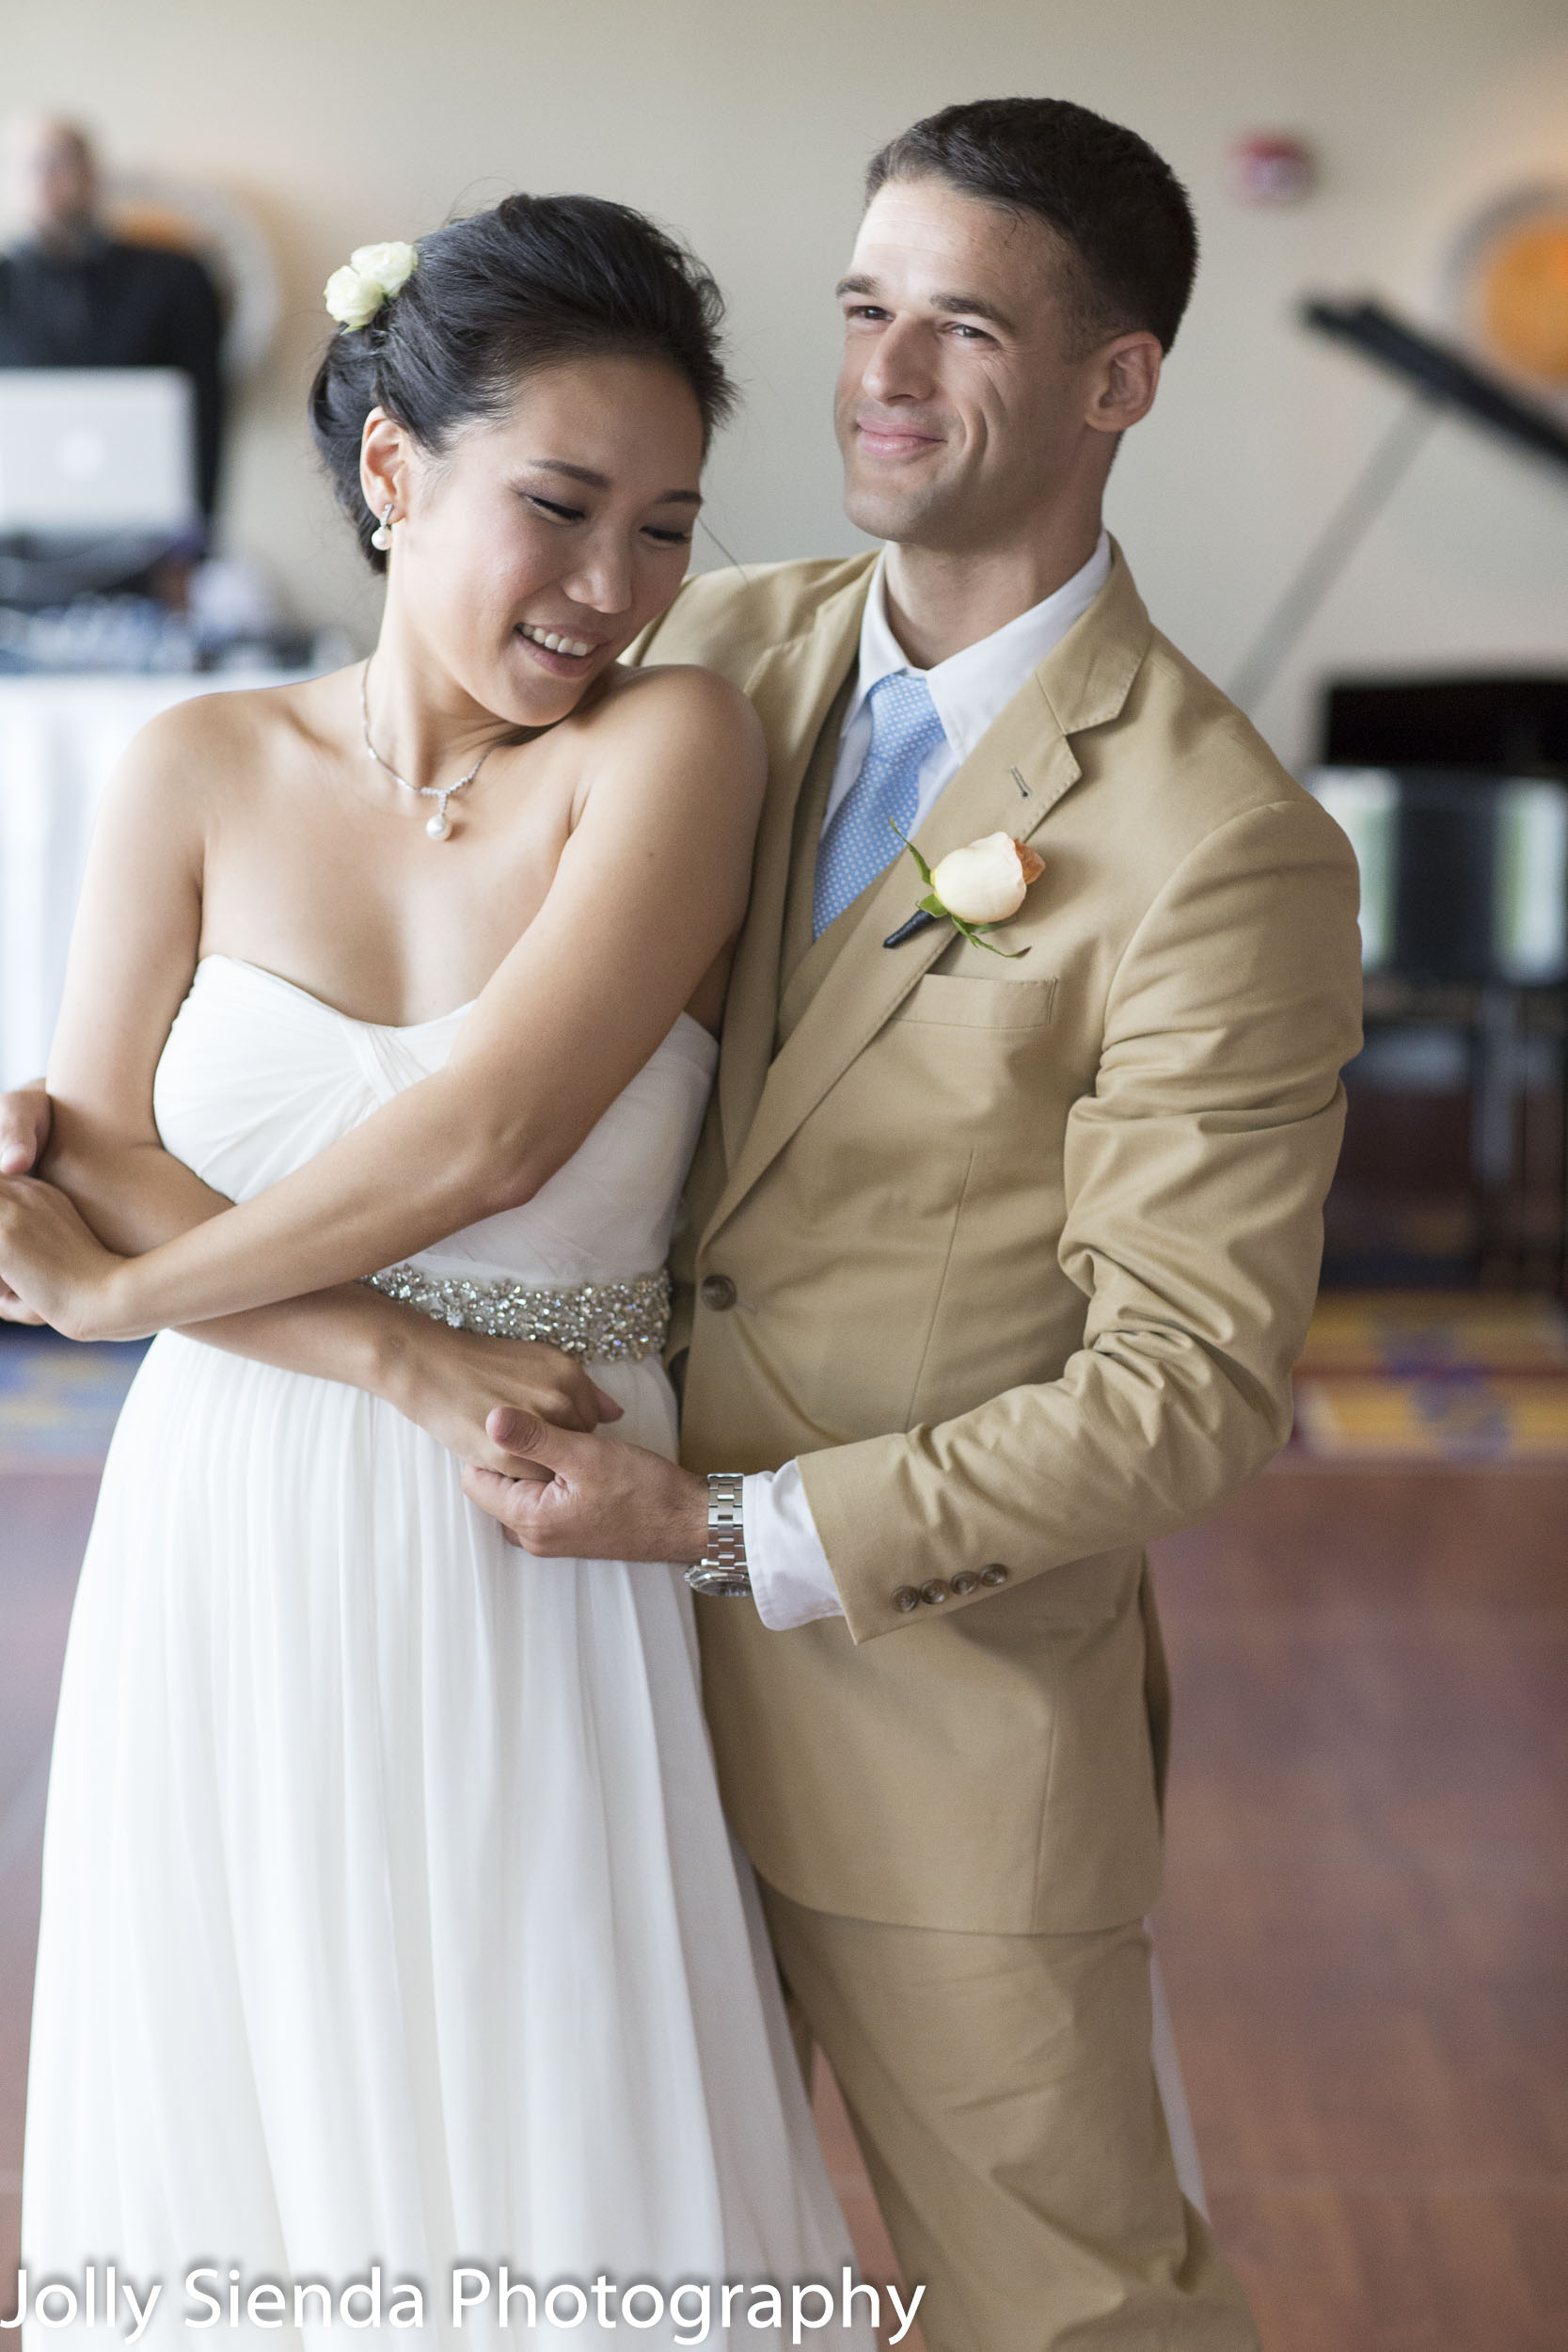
x,y
1011,782
792,690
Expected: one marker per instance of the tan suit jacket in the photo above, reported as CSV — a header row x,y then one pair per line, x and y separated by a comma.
x,y
1021,1256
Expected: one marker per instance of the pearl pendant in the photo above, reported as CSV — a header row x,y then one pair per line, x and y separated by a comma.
x,y
439,825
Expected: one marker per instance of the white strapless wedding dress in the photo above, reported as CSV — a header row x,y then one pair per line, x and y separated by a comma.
x,y
390,1914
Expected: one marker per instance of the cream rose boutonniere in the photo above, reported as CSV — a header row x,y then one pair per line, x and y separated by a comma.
x,y
371,274
974,889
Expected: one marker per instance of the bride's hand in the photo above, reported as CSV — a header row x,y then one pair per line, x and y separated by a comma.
x,y
25,1122
450,1381
52,1265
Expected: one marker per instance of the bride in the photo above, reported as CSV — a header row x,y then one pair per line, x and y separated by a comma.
x,y
390,1922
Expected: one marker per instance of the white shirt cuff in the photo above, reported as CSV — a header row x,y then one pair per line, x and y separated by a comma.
x,y
791,1580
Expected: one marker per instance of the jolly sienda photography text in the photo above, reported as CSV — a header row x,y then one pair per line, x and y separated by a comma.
x,y
216,2298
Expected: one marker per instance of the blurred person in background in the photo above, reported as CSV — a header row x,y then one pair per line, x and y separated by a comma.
x,y
74,296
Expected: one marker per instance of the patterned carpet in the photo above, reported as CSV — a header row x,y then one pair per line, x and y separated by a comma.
x,y
1387,1376
1433,1376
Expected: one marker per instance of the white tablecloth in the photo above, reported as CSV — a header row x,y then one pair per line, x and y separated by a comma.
x,y
59,740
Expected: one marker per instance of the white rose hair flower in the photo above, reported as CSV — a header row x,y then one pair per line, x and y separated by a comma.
x,y
373,273
976,888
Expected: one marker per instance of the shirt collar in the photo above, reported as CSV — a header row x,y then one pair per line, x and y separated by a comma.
x,y
971,689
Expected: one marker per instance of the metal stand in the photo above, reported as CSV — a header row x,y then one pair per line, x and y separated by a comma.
x,y
1331,551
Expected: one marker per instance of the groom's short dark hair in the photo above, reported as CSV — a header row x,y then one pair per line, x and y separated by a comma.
x,y
1118,207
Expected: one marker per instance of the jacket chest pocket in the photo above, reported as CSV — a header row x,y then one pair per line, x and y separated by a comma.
x,y
963,1049
955,1000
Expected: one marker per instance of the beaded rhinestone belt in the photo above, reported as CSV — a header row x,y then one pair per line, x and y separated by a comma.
x,y
597,1321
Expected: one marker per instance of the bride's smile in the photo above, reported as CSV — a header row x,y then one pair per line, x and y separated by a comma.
x,y
567,649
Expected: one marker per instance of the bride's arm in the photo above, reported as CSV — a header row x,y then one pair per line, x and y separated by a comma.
x,y
134,1197
650,886
134,950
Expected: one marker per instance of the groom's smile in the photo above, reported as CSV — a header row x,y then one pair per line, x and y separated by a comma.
x,y
893,437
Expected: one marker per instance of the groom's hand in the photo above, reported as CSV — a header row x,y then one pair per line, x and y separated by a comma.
x,y
601,1500
25,1123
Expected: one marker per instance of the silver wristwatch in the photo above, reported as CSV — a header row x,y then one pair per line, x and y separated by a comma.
x,y
721,1570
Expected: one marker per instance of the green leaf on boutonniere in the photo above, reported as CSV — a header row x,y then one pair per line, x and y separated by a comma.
x,y
934,906
972,933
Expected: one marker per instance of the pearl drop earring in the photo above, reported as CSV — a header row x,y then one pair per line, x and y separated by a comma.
x,y
382,536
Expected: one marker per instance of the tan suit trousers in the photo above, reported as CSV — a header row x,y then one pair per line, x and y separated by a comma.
x,y
1002,2093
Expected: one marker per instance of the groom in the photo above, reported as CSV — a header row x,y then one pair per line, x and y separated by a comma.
x,y
993,1269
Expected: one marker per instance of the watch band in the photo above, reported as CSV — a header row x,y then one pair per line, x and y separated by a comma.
x,y
722,1571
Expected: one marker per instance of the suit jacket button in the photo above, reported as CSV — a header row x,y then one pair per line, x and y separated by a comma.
x,y
906,1598
995,1574
718,1292
936,1592
964,1583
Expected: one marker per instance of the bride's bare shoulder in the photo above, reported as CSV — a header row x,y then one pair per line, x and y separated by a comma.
x,y
253,721
676,686
685,707
231,738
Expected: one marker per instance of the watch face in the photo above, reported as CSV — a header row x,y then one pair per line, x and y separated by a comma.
x,y
717,1583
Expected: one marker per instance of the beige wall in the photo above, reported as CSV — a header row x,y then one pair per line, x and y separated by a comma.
x,y
746,125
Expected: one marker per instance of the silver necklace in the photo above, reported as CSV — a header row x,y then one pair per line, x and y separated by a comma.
x,y
438,826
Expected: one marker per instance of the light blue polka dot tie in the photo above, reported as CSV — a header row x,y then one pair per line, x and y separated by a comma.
x,y
859,843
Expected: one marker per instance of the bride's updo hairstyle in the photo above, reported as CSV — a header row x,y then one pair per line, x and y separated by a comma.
x,y
535,281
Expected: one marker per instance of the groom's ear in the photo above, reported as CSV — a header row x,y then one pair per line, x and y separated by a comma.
x,y
1123,381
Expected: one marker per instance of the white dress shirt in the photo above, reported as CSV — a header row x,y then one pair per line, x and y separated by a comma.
x,y
791,1580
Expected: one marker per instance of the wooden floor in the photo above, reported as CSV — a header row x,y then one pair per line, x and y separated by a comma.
x,y
1365,1928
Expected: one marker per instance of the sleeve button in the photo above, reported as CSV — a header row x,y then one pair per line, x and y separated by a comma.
x,y
906,1598
964,1583
718,1292
935,1593
995,1574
